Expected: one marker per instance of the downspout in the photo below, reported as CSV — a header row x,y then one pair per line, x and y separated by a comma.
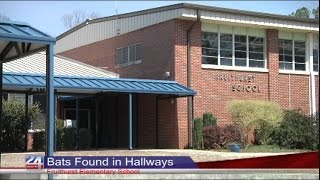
x,y
189,100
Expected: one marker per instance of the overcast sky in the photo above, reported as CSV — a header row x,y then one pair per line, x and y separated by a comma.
x,y
46,15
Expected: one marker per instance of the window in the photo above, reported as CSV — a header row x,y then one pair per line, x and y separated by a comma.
x,y
240,48
129,55
292,51
226,49
233,46
256,52
20,98
292,55
315,55
209,48
285,54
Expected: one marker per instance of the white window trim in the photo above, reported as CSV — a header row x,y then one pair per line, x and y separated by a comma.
x,y
281,71
242,68
234,68
307,60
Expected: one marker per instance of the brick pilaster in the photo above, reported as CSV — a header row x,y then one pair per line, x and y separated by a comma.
x,y
273,64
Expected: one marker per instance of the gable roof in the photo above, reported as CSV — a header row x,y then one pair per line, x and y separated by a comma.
x,y
191,6
36,64
100,29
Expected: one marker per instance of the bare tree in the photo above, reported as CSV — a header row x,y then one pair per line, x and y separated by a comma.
x,y
77,17
4,17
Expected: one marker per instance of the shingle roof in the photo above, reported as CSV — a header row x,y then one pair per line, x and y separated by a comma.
x,y
35,64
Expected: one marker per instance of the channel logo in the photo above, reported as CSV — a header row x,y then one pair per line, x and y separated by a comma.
x,y
34,162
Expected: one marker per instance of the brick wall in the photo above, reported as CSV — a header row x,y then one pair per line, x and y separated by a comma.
x,y
165,49
294,92
157,42
273,64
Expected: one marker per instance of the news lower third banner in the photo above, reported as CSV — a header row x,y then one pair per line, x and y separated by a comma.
x,y
129,162
156,164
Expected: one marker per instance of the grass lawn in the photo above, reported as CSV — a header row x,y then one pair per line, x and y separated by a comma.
x,y
266,149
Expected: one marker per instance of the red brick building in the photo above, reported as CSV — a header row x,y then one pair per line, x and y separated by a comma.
x,y
233,55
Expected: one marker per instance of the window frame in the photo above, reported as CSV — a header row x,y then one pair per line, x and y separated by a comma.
x,y
128,62
233,58
293,41
313,57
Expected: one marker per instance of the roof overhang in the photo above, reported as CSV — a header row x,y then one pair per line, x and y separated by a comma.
x,y
33,83
20,39
217,14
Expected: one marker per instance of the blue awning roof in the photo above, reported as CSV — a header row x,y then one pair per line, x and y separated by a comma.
x,y
25,82
18,39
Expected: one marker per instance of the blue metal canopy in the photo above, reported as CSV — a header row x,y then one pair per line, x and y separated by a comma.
x,y
24,82
19,38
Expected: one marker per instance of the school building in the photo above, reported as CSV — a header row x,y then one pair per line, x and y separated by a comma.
x,y
222,54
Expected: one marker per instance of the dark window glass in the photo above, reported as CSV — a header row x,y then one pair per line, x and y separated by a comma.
x,y
241,54
209,36
132,53
225,37
300,67
118,56
210,43
225,45
255,40
287,58
225,53
241,62
300,51
139,52
226,61
285,54
258,64
300,59
256,52
125,55
240,46
209,52
255,48
285,66
256,56
209,48
315,60
238,38
209,60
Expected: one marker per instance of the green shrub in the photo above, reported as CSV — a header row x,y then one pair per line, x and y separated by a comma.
x,y
297,131
69,139
198,125
85,138
15,125
60,134
254,114
209,120
39,139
